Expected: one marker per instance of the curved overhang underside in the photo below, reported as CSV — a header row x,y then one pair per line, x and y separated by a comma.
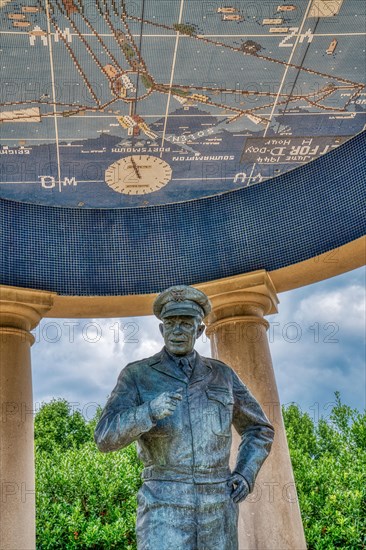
x,y
300,227
340,260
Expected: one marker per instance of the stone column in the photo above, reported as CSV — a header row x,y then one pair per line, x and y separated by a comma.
x,y
270,517
20,312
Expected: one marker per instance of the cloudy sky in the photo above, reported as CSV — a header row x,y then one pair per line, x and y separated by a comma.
x,y
317,343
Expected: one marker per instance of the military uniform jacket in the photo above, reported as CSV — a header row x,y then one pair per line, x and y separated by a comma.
x,y
193,444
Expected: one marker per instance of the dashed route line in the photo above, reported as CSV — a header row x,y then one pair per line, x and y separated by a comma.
x,y
168,89
288,66
72,55
205,38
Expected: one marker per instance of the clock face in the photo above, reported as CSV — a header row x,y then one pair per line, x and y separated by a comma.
x,y
66,145
138,175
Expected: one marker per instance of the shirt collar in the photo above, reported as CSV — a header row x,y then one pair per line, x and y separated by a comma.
x,y
191,357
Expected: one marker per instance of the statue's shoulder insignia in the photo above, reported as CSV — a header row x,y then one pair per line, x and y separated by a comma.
x,y
133,364
146,362
217,363
136,365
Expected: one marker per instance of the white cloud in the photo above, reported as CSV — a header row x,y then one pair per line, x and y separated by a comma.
x,y
318,342
345,307
317,346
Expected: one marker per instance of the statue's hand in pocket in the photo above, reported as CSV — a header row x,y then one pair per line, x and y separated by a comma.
x,y
239,486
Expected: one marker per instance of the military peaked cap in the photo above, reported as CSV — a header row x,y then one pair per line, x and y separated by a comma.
x,y
181,300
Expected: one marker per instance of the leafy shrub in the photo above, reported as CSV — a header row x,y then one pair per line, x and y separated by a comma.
x,y
57,426
87,499
329,461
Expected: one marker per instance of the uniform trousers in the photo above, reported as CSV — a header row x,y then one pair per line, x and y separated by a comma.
x,y
186,516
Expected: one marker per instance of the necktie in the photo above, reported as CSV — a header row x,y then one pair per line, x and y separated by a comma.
x,y
186,367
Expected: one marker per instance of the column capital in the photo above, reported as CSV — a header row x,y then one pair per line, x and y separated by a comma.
x,y
245,298
23,308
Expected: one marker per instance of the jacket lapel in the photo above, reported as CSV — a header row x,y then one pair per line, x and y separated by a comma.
x,y
202,368
164,364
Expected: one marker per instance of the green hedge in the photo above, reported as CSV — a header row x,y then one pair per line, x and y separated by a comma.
x,y
87,499
329,462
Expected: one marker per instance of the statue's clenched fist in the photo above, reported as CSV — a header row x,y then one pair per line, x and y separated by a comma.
x,y
165,404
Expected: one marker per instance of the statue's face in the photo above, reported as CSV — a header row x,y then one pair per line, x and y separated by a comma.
x,y
180,333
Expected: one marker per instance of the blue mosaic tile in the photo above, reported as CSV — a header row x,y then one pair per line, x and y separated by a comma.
x,y
305,212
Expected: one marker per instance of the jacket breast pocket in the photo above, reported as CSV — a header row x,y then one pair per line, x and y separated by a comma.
x,y
220,404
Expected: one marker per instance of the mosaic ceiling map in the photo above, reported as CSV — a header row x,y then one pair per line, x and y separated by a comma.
x,y
120,104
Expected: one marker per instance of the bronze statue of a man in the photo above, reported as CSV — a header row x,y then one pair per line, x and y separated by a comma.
x,y
180,407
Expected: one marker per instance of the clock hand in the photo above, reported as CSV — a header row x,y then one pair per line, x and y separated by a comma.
x,y
135,168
